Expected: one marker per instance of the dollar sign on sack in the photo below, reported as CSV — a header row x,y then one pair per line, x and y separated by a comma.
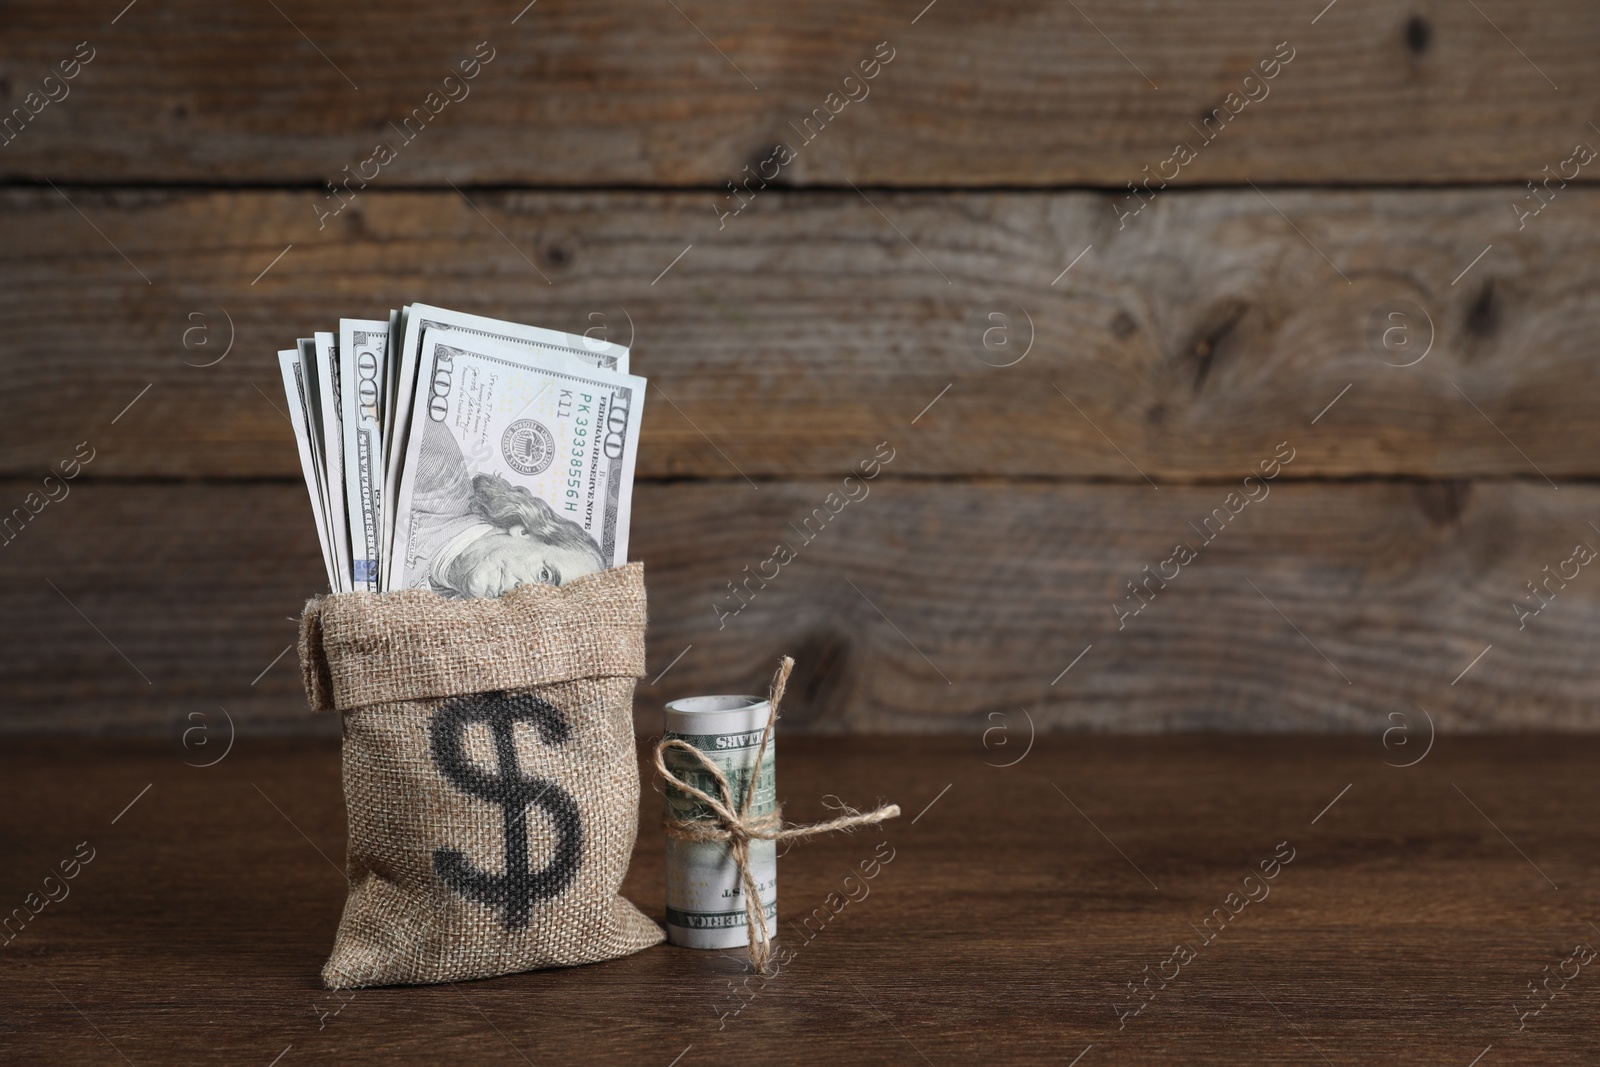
x,y
514,891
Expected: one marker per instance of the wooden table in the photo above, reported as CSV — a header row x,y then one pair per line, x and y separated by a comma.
x,y
1021,901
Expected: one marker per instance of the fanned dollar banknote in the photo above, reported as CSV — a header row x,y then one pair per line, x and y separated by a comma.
x,y
463,454
416,319
325,355
363,360
294,386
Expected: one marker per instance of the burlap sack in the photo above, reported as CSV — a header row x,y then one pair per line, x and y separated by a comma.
x,y
490,776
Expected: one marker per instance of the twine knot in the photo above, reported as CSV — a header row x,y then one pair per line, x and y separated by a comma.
x,y
734,825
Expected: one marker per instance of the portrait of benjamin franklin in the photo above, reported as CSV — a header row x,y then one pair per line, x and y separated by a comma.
x,y
481,536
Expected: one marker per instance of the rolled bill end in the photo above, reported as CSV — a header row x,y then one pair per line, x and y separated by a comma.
x,y
705,894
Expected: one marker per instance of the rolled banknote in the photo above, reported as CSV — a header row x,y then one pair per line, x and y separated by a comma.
x,y
705,895
517,467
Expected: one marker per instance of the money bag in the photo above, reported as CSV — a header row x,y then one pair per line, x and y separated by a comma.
x,y
490,776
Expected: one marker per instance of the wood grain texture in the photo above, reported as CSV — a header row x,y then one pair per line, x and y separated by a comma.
x,y
1404,930
924,606
1184,346
614,93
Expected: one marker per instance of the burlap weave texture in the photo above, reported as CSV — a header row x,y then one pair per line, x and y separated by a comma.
x,y
489,773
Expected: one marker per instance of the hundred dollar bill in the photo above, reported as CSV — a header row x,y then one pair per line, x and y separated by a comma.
x,y
326,352
391,377
518,467
418,319
397,332
705,894
306,350
363,359
312,377
294,388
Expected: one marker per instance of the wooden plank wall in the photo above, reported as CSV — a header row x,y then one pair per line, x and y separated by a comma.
x,y
1348,282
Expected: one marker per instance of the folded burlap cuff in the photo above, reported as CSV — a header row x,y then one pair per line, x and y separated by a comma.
x,y
489,774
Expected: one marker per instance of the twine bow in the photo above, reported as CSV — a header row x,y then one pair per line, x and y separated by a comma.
x,y
737,827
